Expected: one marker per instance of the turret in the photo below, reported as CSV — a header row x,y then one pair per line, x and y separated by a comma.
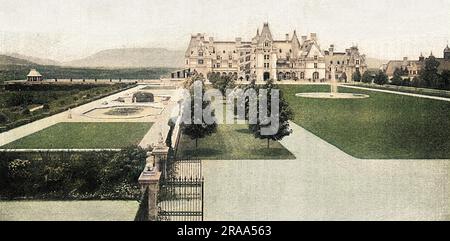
x,y
447,53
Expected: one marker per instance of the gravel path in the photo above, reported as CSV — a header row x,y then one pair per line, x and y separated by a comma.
x,y
324,183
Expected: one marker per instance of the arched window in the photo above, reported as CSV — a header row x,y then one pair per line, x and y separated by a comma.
x,y
302,75
316,75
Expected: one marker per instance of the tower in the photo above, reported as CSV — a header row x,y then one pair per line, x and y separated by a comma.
x,y
447,53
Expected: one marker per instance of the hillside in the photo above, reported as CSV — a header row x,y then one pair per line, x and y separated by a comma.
x,y
8,60
40,61
131,58
17,69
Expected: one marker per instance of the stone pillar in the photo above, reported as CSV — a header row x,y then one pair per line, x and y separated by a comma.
x,y
159,155
149,180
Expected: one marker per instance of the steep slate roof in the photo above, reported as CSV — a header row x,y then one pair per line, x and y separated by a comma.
x,y
265,33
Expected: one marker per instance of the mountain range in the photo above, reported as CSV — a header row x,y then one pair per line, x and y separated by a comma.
x,y
131,58
124,58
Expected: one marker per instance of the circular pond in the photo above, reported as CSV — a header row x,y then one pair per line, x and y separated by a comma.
x,y
327,95
123,112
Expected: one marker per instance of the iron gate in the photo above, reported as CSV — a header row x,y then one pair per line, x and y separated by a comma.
x,y
180,197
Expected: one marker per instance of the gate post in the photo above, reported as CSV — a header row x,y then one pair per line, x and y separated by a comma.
x,y
149,179
159,153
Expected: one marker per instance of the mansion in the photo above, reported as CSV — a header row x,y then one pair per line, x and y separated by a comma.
x,y
264,58
413,68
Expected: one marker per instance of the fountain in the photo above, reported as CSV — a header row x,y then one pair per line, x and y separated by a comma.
x,y
334,93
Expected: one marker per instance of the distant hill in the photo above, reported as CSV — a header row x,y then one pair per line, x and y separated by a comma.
x,y
40,61
8,60
373,63
12,68
131,58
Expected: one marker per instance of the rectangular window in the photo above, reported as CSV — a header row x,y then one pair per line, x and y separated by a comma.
x,y
230,65
315,65
200,61
218,65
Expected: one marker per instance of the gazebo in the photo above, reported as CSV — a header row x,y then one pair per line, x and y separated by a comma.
x,y
34,75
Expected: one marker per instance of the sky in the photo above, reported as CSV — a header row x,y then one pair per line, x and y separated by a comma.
x,y
64,30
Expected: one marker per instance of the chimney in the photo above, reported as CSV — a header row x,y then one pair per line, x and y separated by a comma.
x,y
287,37
313,36
331,49
304,38
238,40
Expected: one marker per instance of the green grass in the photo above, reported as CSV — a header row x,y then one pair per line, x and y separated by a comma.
x,y
383,126
232,142
68,210
84,135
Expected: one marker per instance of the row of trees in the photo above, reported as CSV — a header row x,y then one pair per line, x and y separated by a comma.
x,y
379,77
429,77
197,131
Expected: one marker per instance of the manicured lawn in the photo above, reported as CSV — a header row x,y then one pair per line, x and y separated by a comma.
x,y
68,210
84,135
232,142
383,126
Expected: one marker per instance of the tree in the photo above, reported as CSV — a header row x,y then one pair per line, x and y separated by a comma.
x,y
222,83
285,113
357,76
381,78
367,77
197,131
397,79
446,79
344,77
429,74
415,81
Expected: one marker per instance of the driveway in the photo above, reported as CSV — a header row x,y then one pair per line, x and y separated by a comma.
x,y
324,183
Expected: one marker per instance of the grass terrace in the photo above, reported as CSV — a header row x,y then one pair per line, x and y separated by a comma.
x,y
384,126
232,142
84,135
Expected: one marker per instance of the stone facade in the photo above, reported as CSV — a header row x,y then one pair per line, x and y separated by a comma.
x,y
260,59
264,57
346,63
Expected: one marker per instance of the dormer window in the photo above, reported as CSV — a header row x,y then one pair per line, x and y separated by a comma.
x,y
315,57
200,53
266,44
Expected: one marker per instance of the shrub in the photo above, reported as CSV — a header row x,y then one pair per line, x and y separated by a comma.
x,y
92,175
143,97
46,107
26,111
3,118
